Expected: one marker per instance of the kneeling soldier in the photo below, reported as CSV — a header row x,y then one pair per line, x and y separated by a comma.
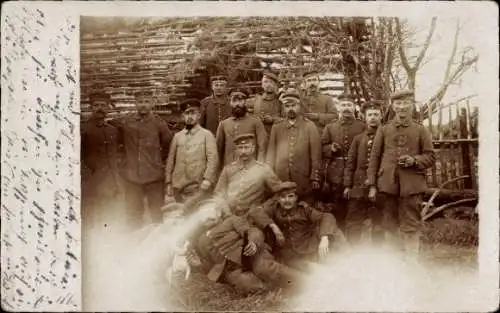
x,y
302,233
402,152
359,208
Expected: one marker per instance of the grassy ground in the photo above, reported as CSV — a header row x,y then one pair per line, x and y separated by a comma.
x,y
200,294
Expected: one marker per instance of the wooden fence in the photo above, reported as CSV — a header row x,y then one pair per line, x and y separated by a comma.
x,y
455,158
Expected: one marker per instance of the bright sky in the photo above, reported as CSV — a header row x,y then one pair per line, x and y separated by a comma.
x,y
431,75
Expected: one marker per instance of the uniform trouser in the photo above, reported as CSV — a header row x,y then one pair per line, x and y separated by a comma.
x,y
269,270
359,210
134,196
400,213
339,204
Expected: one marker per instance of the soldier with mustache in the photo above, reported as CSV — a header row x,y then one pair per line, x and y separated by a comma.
x,y
215,108
300,233
99,155
239,123
318,107
359,208
336,141
294,151
402,152
267,105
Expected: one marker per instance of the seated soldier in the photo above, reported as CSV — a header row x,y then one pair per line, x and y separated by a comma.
x,y
233,252
301,233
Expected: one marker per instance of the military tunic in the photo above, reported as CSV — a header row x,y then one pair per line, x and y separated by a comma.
x,y
230,128
213,111
100,156
192,158
145,144
101,184
247,185
294,153
319,108
341,132
359,208
400,188
267,105
302,228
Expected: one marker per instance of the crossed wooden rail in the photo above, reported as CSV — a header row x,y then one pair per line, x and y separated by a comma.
x,y
425,214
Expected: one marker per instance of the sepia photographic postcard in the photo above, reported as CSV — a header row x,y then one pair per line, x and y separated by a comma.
x,y
287,156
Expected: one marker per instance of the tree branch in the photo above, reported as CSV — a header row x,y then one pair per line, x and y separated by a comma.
x,y
426,44
402,54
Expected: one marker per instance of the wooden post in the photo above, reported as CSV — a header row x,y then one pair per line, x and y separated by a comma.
x,y
440,121
466,162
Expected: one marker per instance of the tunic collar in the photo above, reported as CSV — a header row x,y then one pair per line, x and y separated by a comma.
x,y
240,118
371,131
269,96
193,130
290,124
346,120
401,123
242,165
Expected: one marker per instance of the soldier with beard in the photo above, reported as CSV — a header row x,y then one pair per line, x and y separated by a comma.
x,y
267,106
100,158
192,161
359,208
215,108
402,152
239,123
294,151
318,107
336,141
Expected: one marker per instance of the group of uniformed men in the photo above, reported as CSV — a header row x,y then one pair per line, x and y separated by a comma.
x,y
268,158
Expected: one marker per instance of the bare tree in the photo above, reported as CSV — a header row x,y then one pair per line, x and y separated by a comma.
x,y
454,71
411,70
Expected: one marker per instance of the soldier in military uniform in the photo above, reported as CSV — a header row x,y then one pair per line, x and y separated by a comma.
x,y
267,106
359,208
402,152
239,123
294,151
215,108
233,251
336,141
318,107
301,233
145,141
246,182
99,149
193,161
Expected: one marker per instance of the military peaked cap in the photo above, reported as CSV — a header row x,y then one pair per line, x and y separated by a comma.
x,y
238,92
244,138
218,78
287,186
190,104
290,95
403,94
